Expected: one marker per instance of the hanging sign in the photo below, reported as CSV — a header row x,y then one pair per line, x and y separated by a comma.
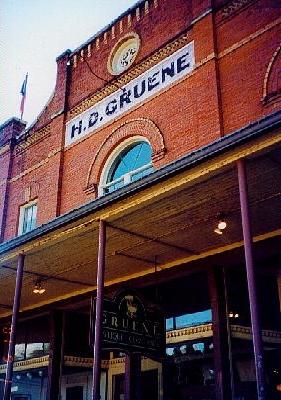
x,y
157,78
130,327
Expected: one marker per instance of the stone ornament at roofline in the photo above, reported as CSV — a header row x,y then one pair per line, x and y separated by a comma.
x,y
123,54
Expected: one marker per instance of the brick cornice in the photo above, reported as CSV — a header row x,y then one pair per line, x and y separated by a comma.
x,y
35,137
233,8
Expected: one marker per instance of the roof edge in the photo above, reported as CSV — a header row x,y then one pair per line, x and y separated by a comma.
x,y
106,27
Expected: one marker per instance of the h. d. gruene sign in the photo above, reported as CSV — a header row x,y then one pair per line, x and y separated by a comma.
x,y
157,78
127,326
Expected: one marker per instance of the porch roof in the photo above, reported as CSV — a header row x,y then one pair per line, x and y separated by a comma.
x,y
160,222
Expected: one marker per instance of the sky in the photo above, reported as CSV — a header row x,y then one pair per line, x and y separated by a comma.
x,y
32,34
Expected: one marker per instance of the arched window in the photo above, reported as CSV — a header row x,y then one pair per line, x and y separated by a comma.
x,y
130,162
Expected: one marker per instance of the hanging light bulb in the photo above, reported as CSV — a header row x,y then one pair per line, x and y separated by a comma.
x,y
222,224
41,290
38,288
35,289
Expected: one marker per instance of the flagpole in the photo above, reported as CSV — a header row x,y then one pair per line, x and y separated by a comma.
x,y
23,93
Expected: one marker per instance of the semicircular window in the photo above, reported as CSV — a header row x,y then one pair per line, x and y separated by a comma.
x,y
131,164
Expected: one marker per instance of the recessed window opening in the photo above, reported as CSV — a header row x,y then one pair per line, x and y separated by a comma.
x,y
131,164
27,219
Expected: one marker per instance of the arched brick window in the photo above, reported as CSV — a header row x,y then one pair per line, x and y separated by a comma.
x,y
272,80
129,162
120,139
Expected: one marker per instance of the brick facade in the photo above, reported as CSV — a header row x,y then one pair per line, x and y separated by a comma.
x,y
236,81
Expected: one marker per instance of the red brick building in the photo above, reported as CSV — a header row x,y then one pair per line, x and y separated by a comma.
x,y
150,129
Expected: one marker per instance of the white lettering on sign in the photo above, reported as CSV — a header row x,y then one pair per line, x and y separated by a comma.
x,y
163,74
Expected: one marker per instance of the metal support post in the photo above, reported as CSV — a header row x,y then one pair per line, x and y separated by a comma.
x,y
248,249
12,342
98,313
220,337
56,354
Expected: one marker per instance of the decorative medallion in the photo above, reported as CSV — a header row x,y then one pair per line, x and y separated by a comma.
x,y
123,54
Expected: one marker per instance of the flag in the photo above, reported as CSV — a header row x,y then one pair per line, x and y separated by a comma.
x,y
23,93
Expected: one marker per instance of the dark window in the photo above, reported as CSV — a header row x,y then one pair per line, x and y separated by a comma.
x,y
74,393
27,220
19,397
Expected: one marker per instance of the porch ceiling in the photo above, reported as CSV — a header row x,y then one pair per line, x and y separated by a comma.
x,y
162,232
